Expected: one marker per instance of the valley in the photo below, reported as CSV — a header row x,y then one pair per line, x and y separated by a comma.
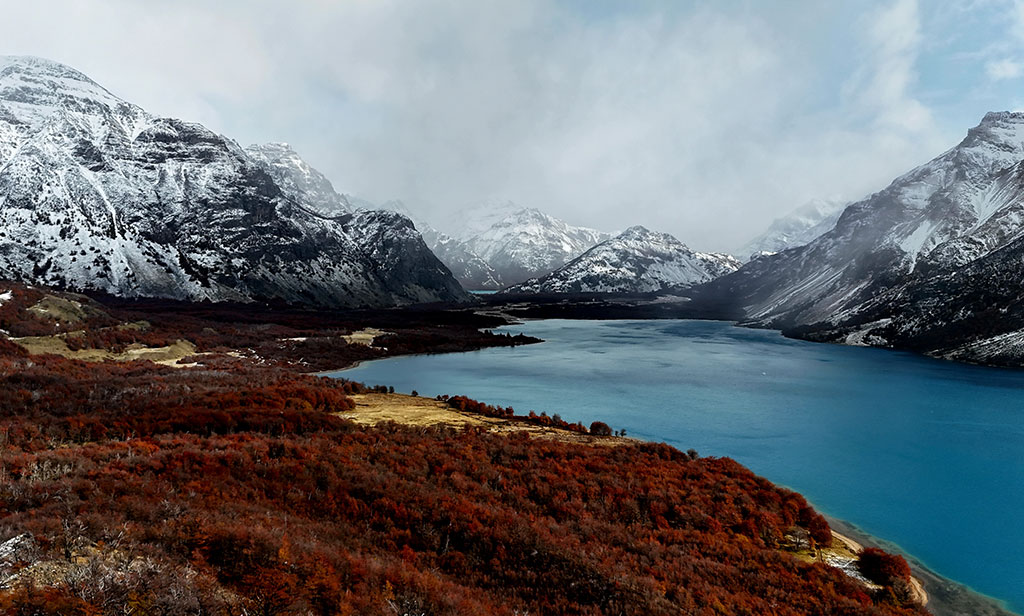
x,y
236,483
228,386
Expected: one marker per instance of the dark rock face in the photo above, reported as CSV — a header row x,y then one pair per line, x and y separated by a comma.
x,y
300,181
97,194
467,267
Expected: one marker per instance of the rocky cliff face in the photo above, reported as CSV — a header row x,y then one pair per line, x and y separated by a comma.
x,y
932,262
636,261
95,193
471,270
298,180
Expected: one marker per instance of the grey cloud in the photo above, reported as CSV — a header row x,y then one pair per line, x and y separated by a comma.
x,y
706,123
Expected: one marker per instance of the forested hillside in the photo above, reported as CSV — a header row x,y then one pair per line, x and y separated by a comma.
x,y
238,487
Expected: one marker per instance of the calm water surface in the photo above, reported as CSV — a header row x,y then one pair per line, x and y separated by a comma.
x,y
924,453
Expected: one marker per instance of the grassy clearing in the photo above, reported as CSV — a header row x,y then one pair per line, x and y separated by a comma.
x,y
372,409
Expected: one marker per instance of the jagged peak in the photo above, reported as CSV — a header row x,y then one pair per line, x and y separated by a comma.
x,y
998,116
526,213
637,230
640,233
27,72
1003,129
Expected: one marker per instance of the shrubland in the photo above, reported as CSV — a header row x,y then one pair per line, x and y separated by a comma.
x,y
236,487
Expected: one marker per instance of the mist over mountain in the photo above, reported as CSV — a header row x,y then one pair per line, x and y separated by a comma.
x,y
933,262
496,243
797,228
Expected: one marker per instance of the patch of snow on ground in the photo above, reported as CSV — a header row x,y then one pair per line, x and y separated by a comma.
x,y
1009,344
848,566
862,337
914,243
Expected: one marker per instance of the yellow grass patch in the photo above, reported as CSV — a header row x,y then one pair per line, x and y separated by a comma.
x,y
372,409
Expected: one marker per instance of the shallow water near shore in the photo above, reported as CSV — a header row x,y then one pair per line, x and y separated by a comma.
x,y
925,453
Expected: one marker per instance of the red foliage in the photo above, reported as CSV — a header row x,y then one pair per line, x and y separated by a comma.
x,y
469,405
881,567
241,490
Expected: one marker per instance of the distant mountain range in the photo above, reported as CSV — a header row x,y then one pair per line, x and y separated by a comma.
x,y
934,262
635,261
529,243
498,243
797,228
96,193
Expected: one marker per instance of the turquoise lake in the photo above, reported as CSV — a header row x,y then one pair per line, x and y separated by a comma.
x,y
924,453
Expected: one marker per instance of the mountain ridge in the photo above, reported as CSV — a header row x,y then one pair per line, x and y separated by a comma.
x,y
97,194
905,266
635,261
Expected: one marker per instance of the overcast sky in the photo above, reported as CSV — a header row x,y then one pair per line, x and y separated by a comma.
x,y
706,120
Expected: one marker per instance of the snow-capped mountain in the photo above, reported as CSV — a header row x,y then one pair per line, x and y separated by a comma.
x,y
635,261
298,180
497,242
469,269
96,193
932,262
528,243
797,228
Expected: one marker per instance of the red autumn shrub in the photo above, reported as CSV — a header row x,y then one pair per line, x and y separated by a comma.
x,y
881,567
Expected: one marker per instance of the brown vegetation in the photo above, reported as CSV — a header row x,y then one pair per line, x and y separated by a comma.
x,y
236,487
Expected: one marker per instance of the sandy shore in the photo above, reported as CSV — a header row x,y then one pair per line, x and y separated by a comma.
x,y
848,548
945,597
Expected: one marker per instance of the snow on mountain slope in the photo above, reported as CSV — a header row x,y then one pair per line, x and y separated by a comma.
x,y
910,261
469,269
498,242
97,194
298,180
797,228
530,243
636,261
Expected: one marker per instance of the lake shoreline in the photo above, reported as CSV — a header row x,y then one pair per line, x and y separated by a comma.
x,y
644,307
946,597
